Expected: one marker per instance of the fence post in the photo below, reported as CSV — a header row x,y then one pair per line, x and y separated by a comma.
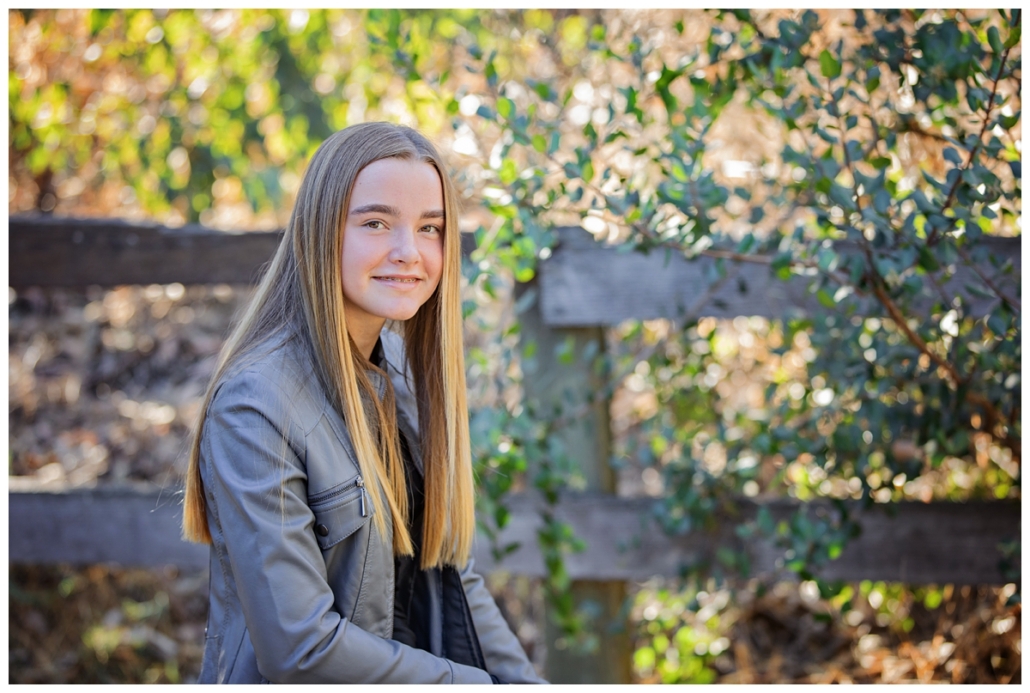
x,y
587,442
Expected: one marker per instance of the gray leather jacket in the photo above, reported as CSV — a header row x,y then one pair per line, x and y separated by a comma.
x,y
302,586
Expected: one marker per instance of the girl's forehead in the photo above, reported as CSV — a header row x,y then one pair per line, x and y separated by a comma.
x,y
399,180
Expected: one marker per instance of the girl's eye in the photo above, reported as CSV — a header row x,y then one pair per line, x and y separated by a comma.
x,y
431,229
374,224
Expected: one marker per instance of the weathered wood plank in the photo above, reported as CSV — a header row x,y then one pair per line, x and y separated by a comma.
x,y
56,251
920,544
583,283
128,525
68,251
552,387
587,283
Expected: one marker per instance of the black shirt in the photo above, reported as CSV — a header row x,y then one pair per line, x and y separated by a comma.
x,y
408,628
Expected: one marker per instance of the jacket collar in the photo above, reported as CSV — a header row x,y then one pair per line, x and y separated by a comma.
x,y
378,358
395,367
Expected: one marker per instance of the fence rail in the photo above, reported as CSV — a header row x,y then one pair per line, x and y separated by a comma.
x,y
137,525
52,251
583,284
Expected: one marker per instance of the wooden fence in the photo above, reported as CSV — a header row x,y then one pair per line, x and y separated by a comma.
x,y
136,524
580,289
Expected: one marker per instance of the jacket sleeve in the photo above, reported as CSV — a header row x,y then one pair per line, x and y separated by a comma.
x,y
256,489
504,655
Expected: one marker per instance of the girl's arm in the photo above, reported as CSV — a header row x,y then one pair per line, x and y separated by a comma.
x,y
504,655
256,489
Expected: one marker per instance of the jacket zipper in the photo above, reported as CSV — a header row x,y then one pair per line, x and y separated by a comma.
x,y
358,483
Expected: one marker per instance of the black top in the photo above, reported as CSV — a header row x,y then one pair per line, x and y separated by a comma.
x,y
409,579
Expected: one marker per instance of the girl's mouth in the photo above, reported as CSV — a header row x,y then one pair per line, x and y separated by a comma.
x,y
398,280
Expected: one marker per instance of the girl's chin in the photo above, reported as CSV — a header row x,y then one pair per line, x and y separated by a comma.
x,y
400,313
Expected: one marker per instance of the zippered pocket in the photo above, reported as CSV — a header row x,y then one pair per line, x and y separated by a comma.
x,y
340,511
342,492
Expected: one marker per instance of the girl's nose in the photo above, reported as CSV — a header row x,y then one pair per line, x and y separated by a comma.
x,y
405,249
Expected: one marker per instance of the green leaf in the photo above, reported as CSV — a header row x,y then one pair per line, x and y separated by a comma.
x,y
508,172
842,196
491,72
505,107
765,521
829,65
1009,122
827,259
631,104
566,350
501,516
927,260
933,598
781,264
540,143
882,201
662,87
98,19
997,324
978,291
555,142
994,38
590,133
1013,38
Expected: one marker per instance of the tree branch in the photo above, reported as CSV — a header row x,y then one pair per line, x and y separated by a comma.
x,y
992,417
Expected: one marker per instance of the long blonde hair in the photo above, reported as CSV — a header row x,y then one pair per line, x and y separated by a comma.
x,y
306,274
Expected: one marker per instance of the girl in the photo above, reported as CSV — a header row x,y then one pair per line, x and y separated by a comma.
x,y
330,470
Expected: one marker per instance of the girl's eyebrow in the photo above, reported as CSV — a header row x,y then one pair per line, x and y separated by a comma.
x,y
376,208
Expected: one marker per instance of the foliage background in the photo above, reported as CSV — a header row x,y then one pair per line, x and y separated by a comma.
x,y
762,136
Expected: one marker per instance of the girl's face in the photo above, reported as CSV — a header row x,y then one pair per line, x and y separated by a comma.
x,y
392,245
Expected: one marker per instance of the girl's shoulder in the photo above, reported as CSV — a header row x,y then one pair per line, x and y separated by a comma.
x,y
278,376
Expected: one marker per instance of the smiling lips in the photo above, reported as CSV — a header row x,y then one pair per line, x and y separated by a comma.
x,y
399,280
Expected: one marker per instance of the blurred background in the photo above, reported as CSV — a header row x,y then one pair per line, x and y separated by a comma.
x,y
755,142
